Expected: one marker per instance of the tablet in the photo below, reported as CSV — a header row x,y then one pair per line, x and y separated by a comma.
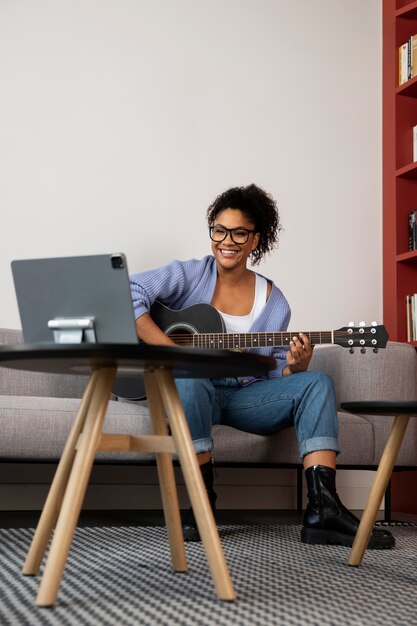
x,y
75,299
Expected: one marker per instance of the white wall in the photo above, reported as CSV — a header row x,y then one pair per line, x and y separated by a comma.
x,y
120,121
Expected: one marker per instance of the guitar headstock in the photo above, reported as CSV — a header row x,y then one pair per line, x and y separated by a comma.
x,y
362,336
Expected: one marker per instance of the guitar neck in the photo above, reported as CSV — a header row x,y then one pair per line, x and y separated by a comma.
x,y
231,341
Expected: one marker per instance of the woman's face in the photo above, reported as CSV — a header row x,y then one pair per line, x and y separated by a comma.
x,y
230,255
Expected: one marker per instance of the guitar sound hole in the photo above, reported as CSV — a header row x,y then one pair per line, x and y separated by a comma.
x,y
182,334
178,332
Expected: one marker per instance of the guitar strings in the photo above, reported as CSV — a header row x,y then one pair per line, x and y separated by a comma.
x,y
263,337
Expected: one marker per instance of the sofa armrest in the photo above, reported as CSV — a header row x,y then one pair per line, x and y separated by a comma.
x,y
389,374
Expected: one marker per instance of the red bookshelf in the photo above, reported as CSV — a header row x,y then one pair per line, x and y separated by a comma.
x,y
399,115
399,171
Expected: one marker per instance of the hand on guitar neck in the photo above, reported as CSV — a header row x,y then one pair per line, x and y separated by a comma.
x,y
150,333
299,355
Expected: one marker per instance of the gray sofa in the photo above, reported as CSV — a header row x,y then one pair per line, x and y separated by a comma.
x,y
36,411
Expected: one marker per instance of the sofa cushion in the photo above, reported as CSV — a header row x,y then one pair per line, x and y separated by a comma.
x,y
407,456
9,336
24,383
356,440
37,428
232,445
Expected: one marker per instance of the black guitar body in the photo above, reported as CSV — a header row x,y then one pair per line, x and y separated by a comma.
x,y
195,319
192,320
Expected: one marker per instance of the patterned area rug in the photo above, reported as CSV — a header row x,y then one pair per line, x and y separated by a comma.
x,y
122,576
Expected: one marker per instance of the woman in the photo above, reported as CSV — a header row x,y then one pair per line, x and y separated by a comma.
x,y
244,224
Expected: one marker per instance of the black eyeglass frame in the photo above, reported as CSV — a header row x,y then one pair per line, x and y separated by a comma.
x,y
229,231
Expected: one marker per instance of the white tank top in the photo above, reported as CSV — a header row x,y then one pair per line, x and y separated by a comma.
x,y
242,323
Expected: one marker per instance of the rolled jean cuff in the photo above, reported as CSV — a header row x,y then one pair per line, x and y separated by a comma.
x,y
318,443
203,445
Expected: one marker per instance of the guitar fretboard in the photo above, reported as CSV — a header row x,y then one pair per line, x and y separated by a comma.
x,y
230,341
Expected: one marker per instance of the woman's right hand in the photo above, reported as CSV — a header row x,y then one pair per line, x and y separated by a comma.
x,y
150,333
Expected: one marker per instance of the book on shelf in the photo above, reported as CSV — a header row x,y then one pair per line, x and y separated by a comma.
x,y
412,56
412,230
403,63
411,313
414,143
407,60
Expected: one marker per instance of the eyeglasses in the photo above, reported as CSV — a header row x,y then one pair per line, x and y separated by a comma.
x,y
237,235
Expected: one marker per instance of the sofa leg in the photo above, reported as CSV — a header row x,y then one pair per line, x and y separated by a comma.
x,y
299,489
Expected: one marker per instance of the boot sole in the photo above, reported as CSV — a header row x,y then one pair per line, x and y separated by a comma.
x,y
192,538
191,534
321,536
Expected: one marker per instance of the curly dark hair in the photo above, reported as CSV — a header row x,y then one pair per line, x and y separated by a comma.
x,y
259,207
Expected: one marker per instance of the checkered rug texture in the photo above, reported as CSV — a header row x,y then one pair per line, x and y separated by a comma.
x,y
122,576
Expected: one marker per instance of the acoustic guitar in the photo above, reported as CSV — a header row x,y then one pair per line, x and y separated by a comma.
x,y
201,326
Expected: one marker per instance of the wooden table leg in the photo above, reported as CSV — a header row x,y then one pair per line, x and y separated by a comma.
x,y
166,477
195,486
76,487
379,486
53,502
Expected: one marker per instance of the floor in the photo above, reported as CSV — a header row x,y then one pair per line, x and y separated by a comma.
x,y
29,519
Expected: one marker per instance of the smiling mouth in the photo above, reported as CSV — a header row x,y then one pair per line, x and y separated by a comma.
x,y
228,252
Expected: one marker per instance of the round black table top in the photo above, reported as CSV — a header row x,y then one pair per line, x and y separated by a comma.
x,y
133,359
381,407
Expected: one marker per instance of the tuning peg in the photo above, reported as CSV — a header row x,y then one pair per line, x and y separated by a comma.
x,y
362,323
351,350
363,350
376,350
374,323
351,324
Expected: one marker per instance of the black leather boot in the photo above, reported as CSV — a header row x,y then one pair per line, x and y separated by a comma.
x,y
189,526
327,520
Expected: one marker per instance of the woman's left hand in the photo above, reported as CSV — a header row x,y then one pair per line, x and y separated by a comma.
x,y
299,354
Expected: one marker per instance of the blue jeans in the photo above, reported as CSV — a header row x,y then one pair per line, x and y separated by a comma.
x,y
305,400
